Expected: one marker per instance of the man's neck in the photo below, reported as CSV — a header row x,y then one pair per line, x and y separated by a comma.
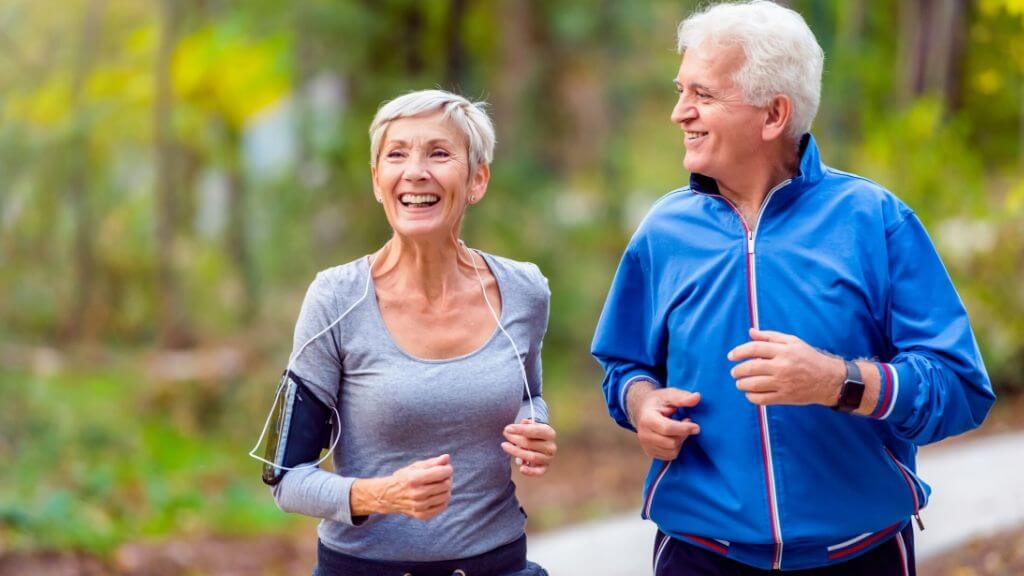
x,y
748,190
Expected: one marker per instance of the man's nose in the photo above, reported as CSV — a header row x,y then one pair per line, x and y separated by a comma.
x,y
683,111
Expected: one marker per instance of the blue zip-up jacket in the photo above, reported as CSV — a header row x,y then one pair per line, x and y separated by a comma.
x,y
841,263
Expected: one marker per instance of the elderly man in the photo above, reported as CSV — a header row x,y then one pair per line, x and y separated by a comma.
x,y
780,335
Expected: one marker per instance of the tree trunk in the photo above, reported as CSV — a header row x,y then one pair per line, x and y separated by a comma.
x,y
958,25
305,62
843,113
1020,137
238,244
171,324
617,111
518,65
914,37
934,36
455,51
413,23
78,321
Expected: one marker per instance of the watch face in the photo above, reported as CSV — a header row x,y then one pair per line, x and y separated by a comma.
x,y
851,395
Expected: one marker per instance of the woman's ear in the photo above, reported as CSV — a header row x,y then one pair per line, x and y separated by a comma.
x,y
478,183
779,114
376,189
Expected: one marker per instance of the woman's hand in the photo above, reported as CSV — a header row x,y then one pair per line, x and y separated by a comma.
x,y
420,490
532,444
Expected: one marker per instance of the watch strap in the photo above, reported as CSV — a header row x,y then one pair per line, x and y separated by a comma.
x,y
852,392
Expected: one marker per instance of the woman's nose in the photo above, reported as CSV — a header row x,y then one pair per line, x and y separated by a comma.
x,y
415,168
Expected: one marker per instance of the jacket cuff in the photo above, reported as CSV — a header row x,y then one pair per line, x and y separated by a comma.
x,y
896,393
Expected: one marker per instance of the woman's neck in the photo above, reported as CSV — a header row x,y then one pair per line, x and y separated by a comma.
x,y
431,269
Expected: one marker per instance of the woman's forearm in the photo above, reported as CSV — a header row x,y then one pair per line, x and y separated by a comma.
x,y
315,492
367,497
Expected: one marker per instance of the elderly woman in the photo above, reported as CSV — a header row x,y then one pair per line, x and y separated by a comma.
x,y
419,367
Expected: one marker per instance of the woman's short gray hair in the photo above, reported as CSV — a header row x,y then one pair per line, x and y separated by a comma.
x,y
470,118
782,54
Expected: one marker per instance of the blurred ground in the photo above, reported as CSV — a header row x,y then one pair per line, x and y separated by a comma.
x,y
1001,555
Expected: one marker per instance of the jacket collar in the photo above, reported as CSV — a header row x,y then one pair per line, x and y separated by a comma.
x,y
811,171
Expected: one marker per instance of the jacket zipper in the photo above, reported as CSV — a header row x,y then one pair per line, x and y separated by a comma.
x,y
912,485
654,486
766,443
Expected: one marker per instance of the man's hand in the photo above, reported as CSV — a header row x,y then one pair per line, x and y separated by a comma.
x,y
650,410
532,444
777,368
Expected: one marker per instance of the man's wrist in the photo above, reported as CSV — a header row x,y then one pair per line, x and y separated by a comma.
x,y
835,381
638,390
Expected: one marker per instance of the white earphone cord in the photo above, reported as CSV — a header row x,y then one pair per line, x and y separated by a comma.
x,y
522,367
285,382
366,290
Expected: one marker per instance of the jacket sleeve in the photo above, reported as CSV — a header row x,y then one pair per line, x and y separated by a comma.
x,y
629,342
935,384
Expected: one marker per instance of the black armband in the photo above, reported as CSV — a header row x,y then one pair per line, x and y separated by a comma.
x,y
300,429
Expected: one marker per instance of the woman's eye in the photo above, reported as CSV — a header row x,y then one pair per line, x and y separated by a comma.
x,y
395,154
440,154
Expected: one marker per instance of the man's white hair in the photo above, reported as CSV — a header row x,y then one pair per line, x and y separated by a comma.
x,y
470,118
782,54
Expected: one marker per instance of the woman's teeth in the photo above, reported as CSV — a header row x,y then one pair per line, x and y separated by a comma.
x,y
695,135
418,199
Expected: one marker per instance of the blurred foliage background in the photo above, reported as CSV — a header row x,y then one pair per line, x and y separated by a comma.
x,y
173,174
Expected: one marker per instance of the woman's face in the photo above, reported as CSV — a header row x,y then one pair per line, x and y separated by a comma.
x,y
422,177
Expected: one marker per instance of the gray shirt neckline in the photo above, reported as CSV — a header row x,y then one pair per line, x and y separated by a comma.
x,y
366,263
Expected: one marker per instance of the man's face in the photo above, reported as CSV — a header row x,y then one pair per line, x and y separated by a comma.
x,y
721,131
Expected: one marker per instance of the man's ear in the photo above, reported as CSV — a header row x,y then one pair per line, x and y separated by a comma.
x,y
779,115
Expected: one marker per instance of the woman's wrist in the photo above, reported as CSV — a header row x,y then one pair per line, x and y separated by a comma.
x,y
366,498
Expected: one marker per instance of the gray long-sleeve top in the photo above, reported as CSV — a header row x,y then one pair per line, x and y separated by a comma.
x,y
396,409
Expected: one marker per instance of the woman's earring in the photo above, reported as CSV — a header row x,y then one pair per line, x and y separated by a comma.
x,y
379,201
472,199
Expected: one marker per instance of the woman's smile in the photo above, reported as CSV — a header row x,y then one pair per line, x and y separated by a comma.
x,y
418,200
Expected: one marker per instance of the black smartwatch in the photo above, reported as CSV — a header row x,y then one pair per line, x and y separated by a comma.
x,y
852,391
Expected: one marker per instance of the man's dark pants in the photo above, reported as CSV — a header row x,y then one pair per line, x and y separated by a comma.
x,y
887,559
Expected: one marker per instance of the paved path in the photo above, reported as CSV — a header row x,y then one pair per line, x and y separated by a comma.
x,y
977,488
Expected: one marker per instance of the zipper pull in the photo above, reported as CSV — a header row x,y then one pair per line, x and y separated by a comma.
x,y
750,242
920,525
